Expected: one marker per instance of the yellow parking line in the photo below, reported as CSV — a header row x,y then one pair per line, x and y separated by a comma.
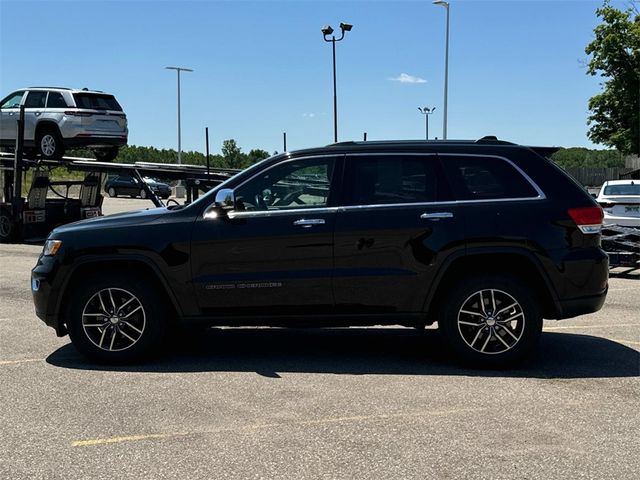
x,y
320,421
577,327
25,360
130,438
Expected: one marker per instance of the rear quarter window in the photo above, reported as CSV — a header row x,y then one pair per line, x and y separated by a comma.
x,y
486,178
96,101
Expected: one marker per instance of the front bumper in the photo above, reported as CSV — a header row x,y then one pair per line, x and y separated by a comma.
x,y
583,305
46,293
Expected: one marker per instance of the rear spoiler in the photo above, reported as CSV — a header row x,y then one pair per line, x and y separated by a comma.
x,y
545,151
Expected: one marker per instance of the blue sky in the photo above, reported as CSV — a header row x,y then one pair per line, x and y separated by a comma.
x,y
261,67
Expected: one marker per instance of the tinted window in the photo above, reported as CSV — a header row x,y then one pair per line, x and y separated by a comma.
x,y
297,184
35,100
389,179
485,178
56,100
629,189
12,101
96,101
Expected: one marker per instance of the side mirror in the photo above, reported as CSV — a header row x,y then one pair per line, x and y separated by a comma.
x,y
225,201
594,195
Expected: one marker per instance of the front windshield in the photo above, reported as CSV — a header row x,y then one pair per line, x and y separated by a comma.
x,y
209,197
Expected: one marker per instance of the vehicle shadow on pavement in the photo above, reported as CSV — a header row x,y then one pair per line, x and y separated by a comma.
x,y
359,351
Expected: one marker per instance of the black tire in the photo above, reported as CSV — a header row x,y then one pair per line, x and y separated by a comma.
x,y
495,342
146,325
49,144
112,192
7,226
106,154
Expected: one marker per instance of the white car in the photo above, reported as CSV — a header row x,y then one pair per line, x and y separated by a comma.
x,y
620,200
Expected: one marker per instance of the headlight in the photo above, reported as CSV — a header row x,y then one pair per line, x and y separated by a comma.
x,y
51,247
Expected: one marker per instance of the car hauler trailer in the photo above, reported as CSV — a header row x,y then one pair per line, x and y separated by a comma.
x,y
49,203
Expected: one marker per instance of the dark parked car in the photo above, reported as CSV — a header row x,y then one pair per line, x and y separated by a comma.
x,y
485,237
131,187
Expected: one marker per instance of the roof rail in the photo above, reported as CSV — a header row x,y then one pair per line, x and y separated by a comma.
x,y
493,140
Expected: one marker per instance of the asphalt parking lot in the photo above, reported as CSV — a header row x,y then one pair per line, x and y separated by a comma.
x,y
334,403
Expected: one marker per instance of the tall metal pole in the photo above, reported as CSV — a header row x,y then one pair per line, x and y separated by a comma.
x,y
426,132
445,4
335,94
326,31
446,79
179,129
206,134
178,70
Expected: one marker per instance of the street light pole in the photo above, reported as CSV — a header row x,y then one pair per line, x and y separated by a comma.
x,y
426,111
178,70
326,31
446,68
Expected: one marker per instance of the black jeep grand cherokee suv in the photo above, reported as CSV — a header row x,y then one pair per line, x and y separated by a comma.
x,y
485,237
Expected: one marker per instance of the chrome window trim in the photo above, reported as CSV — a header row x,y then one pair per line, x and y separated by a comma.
x,y
279,213
347,208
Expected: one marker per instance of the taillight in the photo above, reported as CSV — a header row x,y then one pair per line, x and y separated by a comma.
x,y
73,113
588,219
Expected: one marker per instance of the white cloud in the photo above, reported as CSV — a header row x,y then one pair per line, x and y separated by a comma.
x,y
309,115
406,78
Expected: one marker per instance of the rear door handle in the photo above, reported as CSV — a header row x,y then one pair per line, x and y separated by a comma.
x,y
307,222
436,215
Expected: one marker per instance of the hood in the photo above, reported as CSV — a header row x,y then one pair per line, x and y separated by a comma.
x,y
116,220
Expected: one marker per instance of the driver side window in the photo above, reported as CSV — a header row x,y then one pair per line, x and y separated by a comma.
x,y
296,184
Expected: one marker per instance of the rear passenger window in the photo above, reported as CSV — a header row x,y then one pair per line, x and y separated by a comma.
x,y
486,178
35,99
379,180
56,100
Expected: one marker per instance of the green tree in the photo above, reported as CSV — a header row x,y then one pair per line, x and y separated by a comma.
x,y
615,57
232,154
584,157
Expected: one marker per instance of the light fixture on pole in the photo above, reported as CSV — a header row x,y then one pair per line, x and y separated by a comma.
x,y
444,4
178,70
326,31
426,111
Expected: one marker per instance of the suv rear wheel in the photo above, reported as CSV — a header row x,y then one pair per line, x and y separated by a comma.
x,y
106,154
7,226
49,144
116,318
491,320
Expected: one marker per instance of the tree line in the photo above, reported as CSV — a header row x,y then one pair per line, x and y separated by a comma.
x,y
231,155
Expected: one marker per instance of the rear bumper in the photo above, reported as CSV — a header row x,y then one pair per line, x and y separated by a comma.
x,y
621,221
96,140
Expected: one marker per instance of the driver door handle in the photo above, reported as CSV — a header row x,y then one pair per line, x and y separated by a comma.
x,y
307,222
436,215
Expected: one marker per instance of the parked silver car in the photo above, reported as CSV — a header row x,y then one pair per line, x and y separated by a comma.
x,y
60,118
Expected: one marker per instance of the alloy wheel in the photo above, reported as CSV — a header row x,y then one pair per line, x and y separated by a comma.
x,y
48,144
5,226
114,319
491,321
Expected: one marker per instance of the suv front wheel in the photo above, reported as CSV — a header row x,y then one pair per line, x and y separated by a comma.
x,y
491,320
116,318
